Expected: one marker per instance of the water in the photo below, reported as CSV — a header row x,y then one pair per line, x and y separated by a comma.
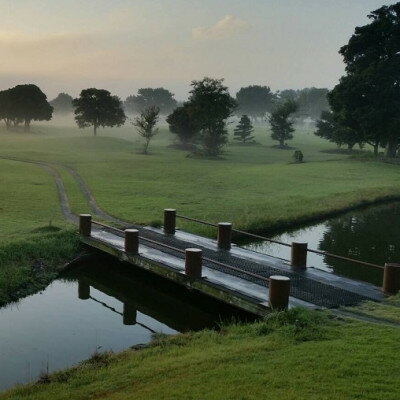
x,y
371,234
95,308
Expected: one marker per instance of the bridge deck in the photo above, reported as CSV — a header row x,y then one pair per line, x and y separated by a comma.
x,y
311,287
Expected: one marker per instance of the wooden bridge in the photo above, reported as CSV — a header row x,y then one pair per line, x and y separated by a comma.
x,y
243,278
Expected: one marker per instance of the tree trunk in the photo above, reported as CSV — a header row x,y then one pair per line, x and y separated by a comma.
x,y
94,130
350,146
282,142
391,147
27,125
376,149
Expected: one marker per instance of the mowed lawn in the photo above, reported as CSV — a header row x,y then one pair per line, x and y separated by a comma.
x,y
256,187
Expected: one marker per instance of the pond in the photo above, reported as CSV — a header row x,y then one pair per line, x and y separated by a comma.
x,y
371,234
100,306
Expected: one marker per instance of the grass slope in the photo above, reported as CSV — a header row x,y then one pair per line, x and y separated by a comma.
x,y
294,355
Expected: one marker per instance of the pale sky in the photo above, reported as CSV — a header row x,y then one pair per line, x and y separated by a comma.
x,y
122,45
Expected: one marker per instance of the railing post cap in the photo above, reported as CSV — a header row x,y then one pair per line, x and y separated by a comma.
x,y
170,209
301,243
85,215
279,278
193,250
131,230
225,223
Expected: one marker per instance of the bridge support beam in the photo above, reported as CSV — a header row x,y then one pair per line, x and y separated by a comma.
x,y
131,241
279,289
391,278
299,255
169,221
193,262
224,235
129,314
85,224
83,289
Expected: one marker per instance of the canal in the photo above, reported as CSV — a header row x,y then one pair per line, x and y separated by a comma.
x,y
97,307
371,234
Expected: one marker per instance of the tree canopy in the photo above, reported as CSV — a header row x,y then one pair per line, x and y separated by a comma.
x,y
147,97
281,124
182,122
211,105
244,130
24,103
98,108
145,125
255,101
62,104
367,98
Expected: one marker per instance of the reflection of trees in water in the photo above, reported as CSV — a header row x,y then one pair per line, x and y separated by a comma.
x,y
370,235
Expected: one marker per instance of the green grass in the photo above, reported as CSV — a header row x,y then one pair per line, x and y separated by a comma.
x,y
256,187
295,355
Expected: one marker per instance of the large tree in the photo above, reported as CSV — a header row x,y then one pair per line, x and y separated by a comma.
x,y
211,105
24,103
98,108
62,104
182,122
281,123
367,98
255,101
312,101
147,97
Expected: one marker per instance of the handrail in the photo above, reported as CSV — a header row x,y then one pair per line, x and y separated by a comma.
x,y
319,252
252,274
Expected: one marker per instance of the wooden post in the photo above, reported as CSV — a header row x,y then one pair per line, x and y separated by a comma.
x,y
169,220
83,289
131,241
279,289
193,262
299,255
224,235
391,278
129,314
85,224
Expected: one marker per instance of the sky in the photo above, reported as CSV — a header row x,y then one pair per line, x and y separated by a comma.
x,y
123,45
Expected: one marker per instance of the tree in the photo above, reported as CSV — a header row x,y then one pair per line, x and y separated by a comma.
x,y
328,128
244,130
211,105
96,107
62,104
145,124
183,124
24,103
146,97
281,125
312,101
255,100
367,98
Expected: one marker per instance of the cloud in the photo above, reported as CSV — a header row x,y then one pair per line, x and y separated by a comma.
x,y
226,27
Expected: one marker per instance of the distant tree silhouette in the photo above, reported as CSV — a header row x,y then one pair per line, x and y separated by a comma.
x,y
182,122
244,130
98,108
146,97
24,103
255,101
62,104
145,125
281,125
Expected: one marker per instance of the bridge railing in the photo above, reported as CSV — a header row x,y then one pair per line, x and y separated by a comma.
x,y
279,286
391,271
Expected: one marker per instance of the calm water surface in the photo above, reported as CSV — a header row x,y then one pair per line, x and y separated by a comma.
x,y
371,234
94,308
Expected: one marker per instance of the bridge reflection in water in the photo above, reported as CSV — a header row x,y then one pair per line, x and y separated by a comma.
x,y
144,293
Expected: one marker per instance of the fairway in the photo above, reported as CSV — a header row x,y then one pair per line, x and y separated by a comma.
x,y
257,187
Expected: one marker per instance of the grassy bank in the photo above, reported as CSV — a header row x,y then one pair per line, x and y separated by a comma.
x,y
29,265
294,355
